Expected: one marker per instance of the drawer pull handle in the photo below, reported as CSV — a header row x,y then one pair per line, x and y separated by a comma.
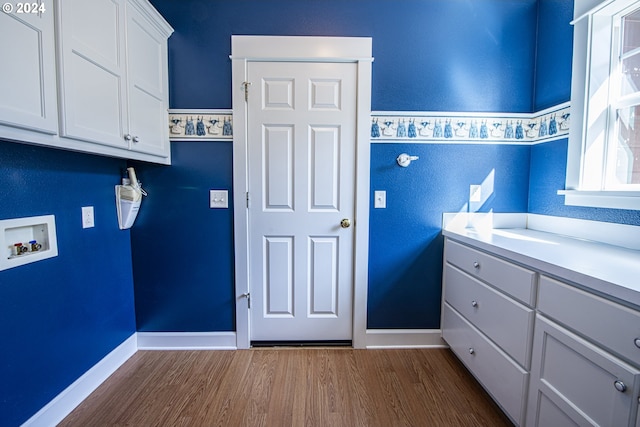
x,y
620,386
637,342
472,351
474,303
476,265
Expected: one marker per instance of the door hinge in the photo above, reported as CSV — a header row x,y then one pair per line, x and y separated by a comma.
x,y
246,85
247,295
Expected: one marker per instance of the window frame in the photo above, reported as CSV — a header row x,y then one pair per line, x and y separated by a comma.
x,y
590,104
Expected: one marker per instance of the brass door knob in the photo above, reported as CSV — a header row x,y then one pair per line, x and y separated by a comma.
x,y
345,223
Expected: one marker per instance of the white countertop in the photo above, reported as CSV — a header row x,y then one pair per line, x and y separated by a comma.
x,y
607,269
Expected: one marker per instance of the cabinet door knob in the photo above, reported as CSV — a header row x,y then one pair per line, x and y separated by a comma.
x,y
472,351
637,342
127,137
474,303
476,265
620,386
136,139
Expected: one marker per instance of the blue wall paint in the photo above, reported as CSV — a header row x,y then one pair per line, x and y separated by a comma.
x,y
554,49
182,249
456,55
60,316
405,249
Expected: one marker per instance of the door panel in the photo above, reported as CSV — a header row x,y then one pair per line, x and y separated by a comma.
x,y
278,284
92,62
323,277
28,83
324,169
301,138
277,183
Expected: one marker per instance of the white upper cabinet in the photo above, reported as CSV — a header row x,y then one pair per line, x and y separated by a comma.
x,y
92,71
28,71
147,82
89,76
113,75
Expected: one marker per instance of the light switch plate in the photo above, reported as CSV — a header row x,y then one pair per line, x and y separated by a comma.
x,y
218,199
380,199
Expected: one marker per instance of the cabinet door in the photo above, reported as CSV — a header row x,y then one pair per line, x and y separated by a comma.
x,y
27,70
92,71
576,383
147,83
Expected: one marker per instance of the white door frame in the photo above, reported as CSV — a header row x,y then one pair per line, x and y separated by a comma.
x,y
245,49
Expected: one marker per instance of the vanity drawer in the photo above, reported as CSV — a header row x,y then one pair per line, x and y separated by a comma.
x,y
509,278
501,377
609,324
505,321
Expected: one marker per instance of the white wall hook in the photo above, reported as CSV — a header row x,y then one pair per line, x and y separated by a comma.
x,y
404,159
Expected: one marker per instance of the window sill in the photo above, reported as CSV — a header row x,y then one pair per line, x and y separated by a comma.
x,y
602,199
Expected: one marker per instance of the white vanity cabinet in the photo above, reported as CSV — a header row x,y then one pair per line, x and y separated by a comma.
x,y
549,342
112,75
27,72
585,360
488,322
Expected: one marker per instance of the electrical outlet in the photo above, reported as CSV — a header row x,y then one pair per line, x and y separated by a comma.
x,y
87,217
475,193
380,199
218,199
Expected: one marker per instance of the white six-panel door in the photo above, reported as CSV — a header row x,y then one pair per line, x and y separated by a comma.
x,y
301,162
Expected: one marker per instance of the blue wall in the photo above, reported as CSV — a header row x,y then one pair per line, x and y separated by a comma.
x,y
553,86
405,255
554,47
60,316
455,55
182,249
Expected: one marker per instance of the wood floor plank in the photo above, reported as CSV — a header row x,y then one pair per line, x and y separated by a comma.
x,y
290,387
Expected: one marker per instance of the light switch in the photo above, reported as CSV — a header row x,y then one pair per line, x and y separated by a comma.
x,y
218,199
380,199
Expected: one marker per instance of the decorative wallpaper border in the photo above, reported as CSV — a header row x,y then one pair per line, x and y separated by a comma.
x,y
205,125
399,126
552,123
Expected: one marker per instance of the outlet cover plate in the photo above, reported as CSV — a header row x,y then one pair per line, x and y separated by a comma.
x,y
475,193
88,219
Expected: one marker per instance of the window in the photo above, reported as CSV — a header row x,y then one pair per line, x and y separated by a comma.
x,y
623,157
603,167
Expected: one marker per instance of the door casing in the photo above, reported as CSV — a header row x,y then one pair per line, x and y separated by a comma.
x,y
245,49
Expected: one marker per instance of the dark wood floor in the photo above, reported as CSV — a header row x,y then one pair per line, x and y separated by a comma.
x,y
290,387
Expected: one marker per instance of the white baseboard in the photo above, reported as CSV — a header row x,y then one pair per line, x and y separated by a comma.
x,y
65,402
405,338
187,341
